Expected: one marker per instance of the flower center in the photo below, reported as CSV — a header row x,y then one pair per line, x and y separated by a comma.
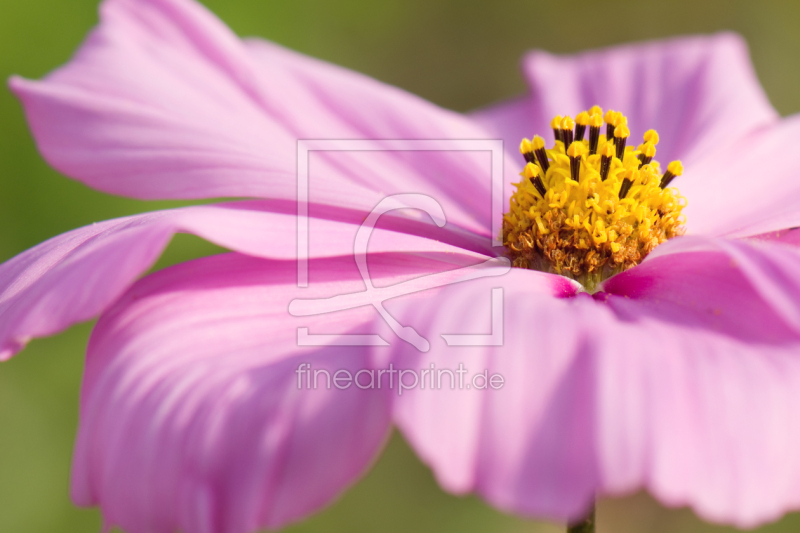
x,y
590,208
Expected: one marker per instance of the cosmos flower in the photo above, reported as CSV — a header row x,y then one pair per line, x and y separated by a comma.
x,y
678,374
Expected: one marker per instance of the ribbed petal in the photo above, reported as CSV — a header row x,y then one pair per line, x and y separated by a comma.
x,y
700,93
323,101
789,236
193,417
74,276
527,448
682,379
164,101
160,102
747,188
765,272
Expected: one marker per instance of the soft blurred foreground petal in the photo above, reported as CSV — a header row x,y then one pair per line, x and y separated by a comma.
x,y
669,381
74,276
192,417
700,93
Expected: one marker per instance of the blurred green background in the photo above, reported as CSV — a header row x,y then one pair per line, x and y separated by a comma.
x,y
460,54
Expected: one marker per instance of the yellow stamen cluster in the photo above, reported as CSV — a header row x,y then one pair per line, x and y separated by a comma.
x,y
594,208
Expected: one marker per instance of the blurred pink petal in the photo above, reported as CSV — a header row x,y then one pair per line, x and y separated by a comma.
x,y
748,187
728,267
790,236
702,96
683,379
209,431
700,93
75,276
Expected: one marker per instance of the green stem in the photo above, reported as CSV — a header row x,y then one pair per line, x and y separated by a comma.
x,y
584,526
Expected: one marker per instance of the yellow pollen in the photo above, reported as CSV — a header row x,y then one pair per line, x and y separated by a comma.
x,y
577,149
648,149
596,110
530,171
556,122
622,132
651,136
676,167
589,215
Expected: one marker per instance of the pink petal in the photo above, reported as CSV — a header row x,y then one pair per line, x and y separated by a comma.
x,y
74,276
728,441
746,188
191,415
160,102
735,274
448,427
682,379
329,102
698,92
789,236
163,101
527,448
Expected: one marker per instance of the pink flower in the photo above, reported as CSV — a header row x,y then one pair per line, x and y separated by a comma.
x,y
680,376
